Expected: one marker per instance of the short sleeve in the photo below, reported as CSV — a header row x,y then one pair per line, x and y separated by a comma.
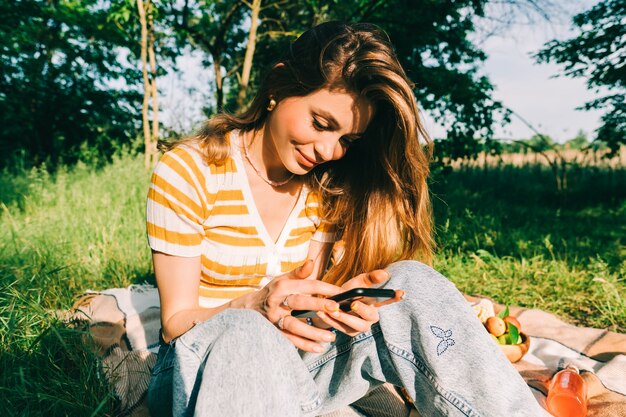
x,y
177,204
325,231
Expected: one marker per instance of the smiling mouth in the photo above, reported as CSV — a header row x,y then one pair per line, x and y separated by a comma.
x,y
308,161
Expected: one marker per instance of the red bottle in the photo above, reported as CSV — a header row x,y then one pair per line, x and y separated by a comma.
x,y
567,396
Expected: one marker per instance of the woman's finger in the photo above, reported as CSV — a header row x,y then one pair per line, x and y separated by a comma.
x,y
302,329
368,279
345,322
330,322
304,344
398,296
352,321
307,302
297,293
365,311
304,336
282,288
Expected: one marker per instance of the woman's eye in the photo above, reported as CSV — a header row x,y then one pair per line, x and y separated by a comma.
x,y
317,125
347,140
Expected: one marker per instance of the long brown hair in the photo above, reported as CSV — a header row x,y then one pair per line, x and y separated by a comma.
x,y
377,193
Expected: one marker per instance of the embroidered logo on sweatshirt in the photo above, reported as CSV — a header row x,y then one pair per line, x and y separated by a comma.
x,y
446,339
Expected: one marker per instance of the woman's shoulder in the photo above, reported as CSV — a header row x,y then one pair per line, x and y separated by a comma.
x,y
187,151
193,156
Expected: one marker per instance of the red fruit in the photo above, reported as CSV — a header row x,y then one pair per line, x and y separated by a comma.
x,y
514,321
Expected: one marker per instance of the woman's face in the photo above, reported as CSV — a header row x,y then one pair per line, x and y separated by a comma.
x,y
317,128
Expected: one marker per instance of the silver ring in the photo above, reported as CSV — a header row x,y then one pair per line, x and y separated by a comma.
x,y
285,303
281,323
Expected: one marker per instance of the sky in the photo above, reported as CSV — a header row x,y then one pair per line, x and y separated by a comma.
x,y
530,89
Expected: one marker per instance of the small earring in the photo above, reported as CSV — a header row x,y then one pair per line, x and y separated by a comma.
x,y
271,105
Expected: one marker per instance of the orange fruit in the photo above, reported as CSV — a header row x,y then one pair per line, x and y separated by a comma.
x,y
514,321
496,326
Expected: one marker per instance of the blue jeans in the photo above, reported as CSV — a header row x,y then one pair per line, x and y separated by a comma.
x,y
238,364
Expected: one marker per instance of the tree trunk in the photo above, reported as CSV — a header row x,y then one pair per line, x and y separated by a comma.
x,y
153,86
219,91
146,82
247,63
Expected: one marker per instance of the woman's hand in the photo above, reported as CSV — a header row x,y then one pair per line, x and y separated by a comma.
x,y
362,315
291,291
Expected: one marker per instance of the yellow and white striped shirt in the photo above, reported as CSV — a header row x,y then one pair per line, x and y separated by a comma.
x,y
195,209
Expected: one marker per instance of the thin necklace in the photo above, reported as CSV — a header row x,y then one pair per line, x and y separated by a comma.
x,y
258,172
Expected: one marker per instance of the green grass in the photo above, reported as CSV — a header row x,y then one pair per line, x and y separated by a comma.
x,y
503,232
59,236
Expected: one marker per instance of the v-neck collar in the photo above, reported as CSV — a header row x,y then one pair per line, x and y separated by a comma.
x,y
235,142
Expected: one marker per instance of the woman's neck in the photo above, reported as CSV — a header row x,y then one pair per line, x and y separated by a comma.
x,y
263,155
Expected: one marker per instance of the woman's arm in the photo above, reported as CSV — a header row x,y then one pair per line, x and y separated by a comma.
x,y
178,281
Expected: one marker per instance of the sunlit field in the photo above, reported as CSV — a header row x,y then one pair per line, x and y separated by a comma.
x,y
503,231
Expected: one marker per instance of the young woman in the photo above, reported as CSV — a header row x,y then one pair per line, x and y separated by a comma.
x,y
242,219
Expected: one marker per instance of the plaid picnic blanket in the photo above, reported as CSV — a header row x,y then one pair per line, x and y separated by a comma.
x,y
125,323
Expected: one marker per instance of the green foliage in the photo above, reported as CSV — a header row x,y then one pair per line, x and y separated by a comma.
x,y
71,82
54,375
430,38
598,55
217,28
514,336
59,61
541,143
464,148
125,16
592,295
580,141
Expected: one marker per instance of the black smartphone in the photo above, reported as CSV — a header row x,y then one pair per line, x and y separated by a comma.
x,y
345,299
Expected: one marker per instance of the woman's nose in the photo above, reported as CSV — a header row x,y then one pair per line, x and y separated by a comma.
x,y
328,148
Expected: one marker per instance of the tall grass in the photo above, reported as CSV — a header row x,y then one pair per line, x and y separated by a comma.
x,y
503,232
60,235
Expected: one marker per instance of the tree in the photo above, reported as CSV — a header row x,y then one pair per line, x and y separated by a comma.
x,y
151,136
432,42
598,54
58,63
578,142
149,39
216,28
431,39
540,143
255,8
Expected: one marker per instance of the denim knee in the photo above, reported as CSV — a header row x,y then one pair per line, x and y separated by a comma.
x,y
232,325
241,319
418,276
